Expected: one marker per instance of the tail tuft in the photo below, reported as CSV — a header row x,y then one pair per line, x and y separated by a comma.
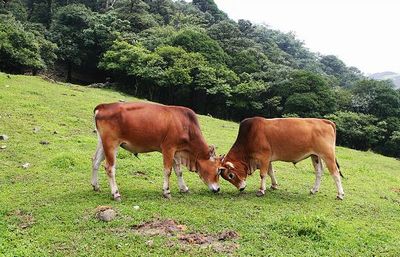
x,y
337,164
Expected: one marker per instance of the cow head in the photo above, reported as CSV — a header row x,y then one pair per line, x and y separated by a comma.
x,y
234,172
208,170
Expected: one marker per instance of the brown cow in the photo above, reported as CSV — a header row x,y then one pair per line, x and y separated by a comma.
x,y
146,127
261,141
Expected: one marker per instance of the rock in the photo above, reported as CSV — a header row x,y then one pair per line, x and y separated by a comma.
x,y
3,147
150,243
3,137
105,213
44,142
121,100
36,129
26,165
136,207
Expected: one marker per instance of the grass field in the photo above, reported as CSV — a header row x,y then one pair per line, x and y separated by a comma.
x,y
48,209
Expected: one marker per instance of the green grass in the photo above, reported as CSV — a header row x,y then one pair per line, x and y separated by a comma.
x,y
48,209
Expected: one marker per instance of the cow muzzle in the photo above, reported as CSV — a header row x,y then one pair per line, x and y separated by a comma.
x,y
242,186
214,188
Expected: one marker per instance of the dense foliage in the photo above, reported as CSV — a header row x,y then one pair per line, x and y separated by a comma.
x,y
192,54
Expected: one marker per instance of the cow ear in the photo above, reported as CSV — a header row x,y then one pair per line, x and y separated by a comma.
x,y
211,149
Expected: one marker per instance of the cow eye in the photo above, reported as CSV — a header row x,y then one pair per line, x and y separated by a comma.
x,y
231,176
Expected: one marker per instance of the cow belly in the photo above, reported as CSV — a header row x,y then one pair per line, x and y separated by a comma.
x,y
133,148
295,158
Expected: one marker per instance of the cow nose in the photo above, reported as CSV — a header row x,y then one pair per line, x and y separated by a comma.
x,y
241,189
216,190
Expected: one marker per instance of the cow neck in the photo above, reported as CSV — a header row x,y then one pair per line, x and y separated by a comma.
x,y
237,156
199,147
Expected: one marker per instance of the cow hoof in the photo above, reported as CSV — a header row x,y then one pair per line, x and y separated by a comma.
x,y
260,193
117,197
340,197
167,195
274,187
313,192
96,188
184,190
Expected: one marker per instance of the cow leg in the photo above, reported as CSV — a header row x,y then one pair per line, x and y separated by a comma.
x,y
271,173
318,168
110,152
181,183
96,161
263,175
334,171
168,157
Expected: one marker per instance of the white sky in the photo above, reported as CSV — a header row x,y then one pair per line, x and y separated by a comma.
x,y
364,34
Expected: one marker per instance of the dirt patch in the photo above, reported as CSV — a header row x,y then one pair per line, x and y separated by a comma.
x,y
396,190
140,174
159,227
24,219
221,242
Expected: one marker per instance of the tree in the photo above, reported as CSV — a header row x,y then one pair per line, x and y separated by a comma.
x,y
305,94
376,97
195,41
67,31
19,49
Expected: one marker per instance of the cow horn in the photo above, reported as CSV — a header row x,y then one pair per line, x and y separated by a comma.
x,y
230,165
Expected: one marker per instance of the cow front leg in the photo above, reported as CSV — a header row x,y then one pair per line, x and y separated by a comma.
x,y
263,176
168,158
271,173
318,168
181,183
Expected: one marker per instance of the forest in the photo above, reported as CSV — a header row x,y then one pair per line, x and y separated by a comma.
x,y
193,54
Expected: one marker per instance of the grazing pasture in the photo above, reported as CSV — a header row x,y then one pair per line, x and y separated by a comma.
x,y
49,208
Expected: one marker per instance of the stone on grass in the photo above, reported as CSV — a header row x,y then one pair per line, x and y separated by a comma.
x,y
44,142
3,147
136,207
3,137
36,129
105,213
26,165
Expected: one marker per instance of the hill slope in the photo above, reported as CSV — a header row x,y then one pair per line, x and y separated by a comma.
x,y
48,209
395,77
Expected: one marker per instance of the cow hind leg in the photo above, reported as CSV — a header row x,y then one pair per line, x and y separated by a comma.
x,y
271,173
181,183
98,157
110,152
318,168
334,171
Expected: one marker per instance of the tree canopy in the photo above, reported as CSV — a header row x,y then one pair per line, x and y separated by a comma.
x,y
193,54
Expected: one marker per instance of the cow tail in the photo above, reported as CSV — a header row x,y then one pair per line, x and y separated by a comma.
x,y
338,166
334,146
95,111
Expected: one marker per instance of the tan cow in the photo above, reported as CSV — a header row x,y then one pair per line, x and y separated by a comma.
x,y
146,127
261,141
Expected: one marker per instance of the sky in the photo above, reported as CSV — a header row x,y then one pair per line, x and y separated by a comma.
x,y
364,34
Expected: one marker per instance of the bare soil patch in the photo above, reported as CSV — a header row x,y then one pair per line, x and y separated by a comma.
x,y
220,242
24,219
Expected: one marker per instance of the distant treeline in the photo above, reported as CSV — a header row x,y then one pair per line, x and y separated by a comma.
x,y
192,54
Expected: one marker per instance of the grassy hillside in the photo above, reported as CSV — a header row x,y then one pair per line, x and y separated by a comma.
x,y
48,209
